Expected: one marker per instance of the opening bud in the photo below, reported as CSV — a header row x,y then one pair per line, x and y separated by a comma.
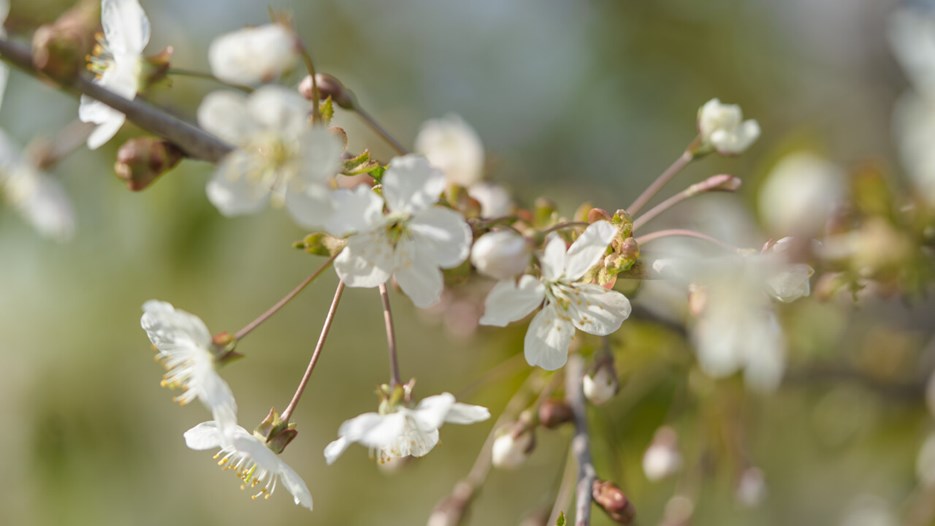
x,y
613,501
598,214
662,458
59,49
553,413
328,86
602,384
142,160
320,244
502,254
716,183
514,445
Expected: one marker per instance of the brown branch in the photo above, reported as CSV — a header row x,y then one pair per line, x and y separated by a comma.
x,y
580,447
195,142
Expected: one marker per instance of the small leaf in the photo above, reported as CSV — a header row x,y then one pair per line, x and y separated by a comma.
x,y
561,519
326,109
377,173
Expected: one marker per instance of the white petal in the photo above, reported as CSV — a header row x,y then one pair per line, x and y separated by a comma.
x,y
335,449
366,261
311,206
279,109
106,131
42,201
4,76
509,301
357,210
224,114
205,435
454,147
218,398
126,27
373,430
431,411
411,184
466,414
417,274
294,483
495,200
235,189
588,249
442,235
321,154
416,441
547,339
596,310
553,258
790,283
167,326
253,55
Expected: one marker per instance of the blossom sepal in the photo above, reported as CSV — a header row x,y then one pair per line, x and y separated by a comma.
x,y
276,432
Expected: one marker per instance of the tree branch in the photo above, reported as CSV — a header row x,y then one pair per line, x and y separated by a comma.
x,y
194,141
574,393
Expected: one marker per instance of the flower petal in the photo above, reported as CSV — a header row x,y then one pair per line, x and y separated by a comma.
x,y
411,184
596,310
205,435
416,442
294,483
553,258
356,210
510,301
224,114
417,274
454,147
442,235
335,449
106,131
588,249
310,206
126,27
252,55
167,326
431,411
366,261
279,109
547,339
234,189
321,155
466,414
373,429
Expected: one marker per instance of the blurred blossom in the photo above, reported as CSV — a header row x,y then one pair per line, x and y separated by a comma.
x,y
869,510
911,33
513,446
601,385
678,512
722,127
253,55
925,462
38,197
662,458
494,199
751,488
800,194
502,254
454,147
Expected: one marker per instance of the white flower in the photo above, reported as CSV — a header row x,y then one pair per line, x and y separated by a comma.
x,y
403,432
501,255
37,196
569,302
751,488
662,457
412,242
278,156
722,127
925,462
785,282
800,194
914,129
912,37
453,146
255,465
117,63
183,345
601,386
253,55
510,451
495,200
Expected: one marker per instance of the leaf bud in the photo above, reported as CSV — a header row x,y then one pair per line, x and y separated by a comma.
x,y
142,160
328,86
59,49
613,501
553,413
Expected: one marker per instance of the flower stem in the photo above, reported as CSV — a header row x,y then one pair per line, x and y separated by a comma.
x,y
248,328
390,337
660,208
182,72
580,447
681,232
310,66
661,181
380,130
325,329
561,226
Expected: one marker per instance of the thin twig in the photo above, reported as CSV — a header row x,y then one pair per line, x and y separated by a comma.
x,y
380,130
248,328
681,232
560,226
325,329
194,141
580,447
191,73
390,337
660,182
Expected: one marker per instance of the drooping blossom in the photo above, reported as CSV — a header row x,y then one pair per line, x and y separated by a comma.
x,y
722,127
117,64
279,157
253,55
184,346
258,467
399,431
567,301
412,242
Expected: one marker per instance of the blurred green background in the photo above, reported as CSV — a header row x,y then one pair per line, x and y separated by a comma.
x,y
583,100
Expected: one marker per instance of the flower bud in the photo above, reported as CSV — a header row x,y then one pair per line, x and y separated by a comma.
x,y
553,413
142,160
601,385
276,432
320,244
722,128
662,458
511,449
503,254
751,488
59,49
716,183
801,193
598,214
328,86
612,500
253,55
495,200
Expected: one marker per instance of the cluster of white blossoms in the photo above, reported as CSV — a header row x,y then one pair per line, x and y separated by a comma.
x,y
722,128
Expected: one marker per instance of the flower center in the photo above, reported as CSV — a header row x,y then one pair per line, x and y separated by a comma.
x,y
101,58
251,474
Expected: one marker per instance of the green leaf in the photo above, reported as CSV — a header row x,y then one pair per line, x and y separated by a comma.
x,y
377,173
561,519
326,109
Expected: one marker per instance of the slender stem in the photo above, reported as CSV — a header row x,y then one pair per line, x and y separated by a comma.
x,y
390,337
194,141
380,130
564,490
310,66
681,232
325,329
569,224
46,152
182,72
248,328
660,208
580,447
661,181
